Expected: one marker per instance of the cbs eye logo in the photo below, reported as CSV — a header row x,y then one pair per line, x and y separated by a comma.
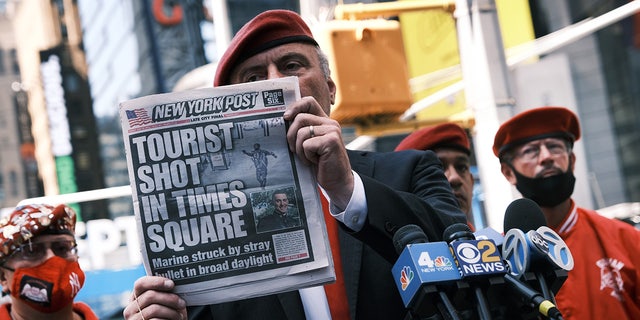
x,y
483,250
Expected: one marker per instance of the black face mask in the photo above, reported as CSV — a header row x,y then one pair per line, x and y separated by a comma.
x,y
549,191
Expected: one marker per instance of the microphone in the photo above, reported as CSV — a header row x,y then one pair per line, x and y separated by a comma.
x,y
475,257
521,249
419,271
523,214
527,250
476,260
522,244
558,250
406,235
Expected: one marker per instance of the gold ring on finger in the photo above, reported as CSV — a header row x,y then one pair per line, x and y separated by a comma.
x,y
135,297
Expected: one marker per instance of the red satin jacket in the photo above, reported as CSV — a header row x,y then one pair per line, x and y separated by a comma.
x,y
604,283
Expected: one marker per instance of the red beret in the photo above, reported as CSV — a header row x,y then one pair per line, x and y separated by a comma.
x,y
267,30
536,124
29,221
447,135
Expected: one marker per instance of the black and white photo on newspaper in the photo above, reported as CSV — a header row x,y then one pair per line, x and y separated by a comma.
x,y
221,204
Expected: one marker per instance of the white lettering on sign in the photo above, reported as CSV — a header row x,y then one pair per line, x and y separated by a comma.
x,y
56,109
108,244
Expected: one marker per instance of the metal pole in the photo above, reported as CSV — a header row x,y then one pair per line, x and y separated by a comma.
x,y
525,51
486,82
222,26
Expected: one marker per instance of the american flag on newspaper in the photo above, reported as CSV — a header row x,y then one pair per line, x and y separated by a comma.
x,y
138,117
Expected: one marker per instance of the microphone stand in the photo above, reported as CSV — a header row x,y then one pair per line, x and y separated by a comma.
x,y
448,306
483,307
544,288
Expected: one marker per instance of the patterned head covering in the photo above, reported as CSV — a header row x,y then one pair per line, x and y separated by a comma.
x,y
29,221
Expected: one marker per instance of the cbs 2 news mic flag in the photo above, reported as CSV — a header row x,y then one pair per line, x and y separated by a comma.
x,y
204,166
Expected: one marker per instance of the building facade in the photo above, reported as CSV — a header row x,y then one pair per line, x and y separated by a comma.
x,y
18,169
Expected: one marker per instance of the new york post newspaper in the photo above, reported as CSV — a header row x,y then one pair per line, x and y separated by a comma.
x,y
222,207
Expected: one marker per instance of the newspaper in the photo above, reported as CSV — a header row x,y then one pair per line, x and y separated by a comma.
x,y
204,167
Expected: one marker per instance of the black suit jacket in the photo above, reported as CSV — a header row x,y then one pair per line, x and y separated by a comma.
x,y
407,187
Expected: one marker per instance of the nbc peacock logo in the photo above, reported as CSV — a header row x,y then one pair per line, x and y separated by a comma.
x,y
442,261
406,275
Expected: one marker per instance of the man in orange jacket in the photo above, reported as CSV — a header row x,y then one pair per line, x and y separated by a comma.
x,y
535,152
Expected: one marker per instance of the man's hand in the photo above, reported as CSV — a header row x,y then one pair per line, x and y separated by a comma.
x,y
152,299
317,140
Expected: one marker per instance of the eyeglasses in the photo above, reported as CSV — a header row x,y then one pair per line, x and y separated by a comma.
x,y
531,151
36,251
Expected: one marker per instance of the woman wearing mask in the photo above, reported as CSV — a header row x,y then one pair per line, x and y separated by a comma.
x,y
39,264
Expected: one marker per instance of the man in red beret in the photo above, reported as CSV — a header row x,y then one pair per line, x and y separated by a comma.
x,y
451,144
535,149
370,195
39,264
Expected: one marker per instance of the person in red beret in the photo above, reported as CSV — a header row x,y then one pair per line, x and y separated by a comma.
x,y
451,144
371,195
535,149
39,264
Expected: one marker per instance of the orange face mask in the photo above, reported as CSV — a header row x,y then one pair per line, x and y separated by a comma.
x,y
50,286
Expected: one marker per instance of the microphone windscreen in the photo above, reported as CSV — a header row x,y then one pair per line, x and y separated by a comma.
x,y
523,214
458,231
408,234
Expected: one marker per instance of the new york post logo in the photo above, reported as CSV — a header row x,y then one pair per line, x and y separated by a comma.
x,y
478,257
209,106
